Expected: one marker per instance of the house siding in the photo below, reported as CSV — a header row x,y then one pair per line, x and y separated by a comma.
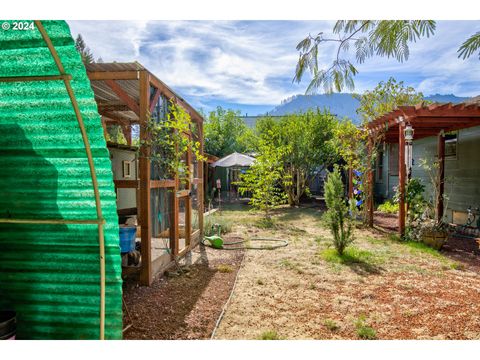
x,y
462,174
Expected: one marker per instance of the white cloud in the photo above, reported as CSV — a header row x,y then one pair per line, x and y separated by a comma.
x,y
254,62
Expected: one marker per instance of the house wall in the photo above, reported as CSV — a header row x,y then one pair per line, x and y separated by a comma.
x,y
126,198
462,174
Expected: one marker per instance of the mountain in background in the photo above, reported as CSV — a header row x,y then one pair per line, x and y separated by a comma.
x,y
340,104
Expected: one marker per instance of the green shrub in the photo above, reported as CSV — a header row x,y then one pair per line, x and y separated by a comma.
x,y
269,335
351,255
223,268
210,221
331,325
364,331
340,223
388,207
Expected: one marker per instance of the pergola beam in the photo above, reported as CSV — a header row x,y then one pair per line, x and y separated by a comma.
x,y
122,94
113,75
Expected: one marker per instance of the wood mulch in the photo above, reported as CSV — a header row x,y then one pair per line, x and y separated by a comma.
x,y
185,304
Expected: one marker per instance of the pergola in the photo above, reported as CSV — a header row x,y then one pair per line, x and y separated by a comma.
x,y
426,121
128,94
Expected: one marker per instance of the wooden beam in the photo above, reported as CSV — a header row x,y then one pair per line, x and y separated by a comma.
x,y
113,75
126,184
401,180
112,107
122,94
155,184
104,126
441,174
146,275
201,186
171,95
370,183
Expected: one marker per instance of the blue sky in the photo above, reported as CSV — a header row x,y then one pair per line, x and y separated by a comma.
x,y
249,65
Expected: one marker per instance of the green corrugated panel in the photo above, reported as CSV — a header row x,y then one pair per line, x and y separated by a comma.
x,y
50,274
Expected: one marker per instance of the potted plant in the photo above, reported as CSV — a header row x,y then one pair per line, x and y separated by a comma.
x,y
423,221
432,228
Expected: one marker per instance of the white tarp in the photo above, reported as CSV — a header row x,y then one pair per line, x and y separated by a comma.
x,y
234,160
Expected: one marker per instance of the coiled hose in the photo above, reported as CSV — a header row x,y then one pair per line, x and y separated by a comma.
x,y
227,246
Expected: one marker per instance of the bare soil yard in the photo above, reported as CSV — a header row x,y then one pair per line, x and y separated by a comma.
x,y
381,288
184,304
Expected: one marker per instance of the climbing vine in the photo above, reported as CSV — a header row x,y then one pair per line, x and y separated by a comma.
x,y
170,139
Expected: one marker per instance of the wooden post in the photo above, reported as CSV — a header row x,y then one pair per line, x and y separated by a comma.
x,y
370,183
401,178
146,276
201,189
441,174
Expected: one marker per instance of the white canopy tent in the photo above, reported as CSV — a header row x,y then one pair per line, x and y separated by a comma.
x,y
234,160
234,163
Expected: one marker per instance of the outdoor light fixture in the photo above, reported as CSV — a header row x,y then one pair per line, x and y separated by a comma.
x,y
409,148
409,134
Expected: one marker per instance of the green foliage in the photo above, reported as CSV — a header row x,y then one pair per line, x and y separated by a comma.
x,y
115,134
224,268
364,331
388,38
331,325
85,53
386,97
339,222
269,335
264,179
350,255
471,45
226,132
307,144
388,207
169,145
416,205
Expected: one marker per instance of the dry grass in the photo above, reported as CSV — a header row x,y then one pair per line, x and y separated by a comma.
x,y
380,288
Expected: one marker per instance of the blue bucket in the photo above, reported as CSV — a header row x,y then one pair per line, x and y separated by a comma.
x,y
127,238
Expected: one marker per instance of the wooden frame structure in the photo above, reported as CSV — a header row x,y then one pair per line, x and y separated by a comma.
x,y
426,120
127,94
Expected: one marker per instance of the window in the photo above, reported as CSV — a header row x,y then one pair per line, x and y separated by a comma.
x,y
127,168
379,169
451,139
393,160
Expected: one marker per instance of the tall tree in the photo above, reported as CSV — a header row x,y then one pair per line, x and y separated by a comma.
x,y
385,97
264,179
85,53
390,38
226,132
308,146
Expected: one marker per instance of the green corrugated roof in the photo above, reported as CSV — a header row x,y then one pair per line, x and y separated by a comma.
x,y
50,274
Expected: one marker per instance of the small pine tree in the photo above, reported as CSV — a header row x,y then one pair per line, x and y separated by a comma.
x,y
340,223
85,53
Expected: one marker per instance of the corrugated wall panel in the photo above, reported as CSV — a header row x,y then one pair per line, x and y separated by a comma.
x,y
50,274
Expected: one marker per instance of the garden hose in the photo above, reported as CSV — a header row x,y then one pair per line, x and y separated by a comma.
x,y
226,246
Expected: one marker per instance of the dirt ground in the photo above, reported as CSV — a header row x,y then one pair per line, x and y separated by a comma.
x,y
185,304
380,288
